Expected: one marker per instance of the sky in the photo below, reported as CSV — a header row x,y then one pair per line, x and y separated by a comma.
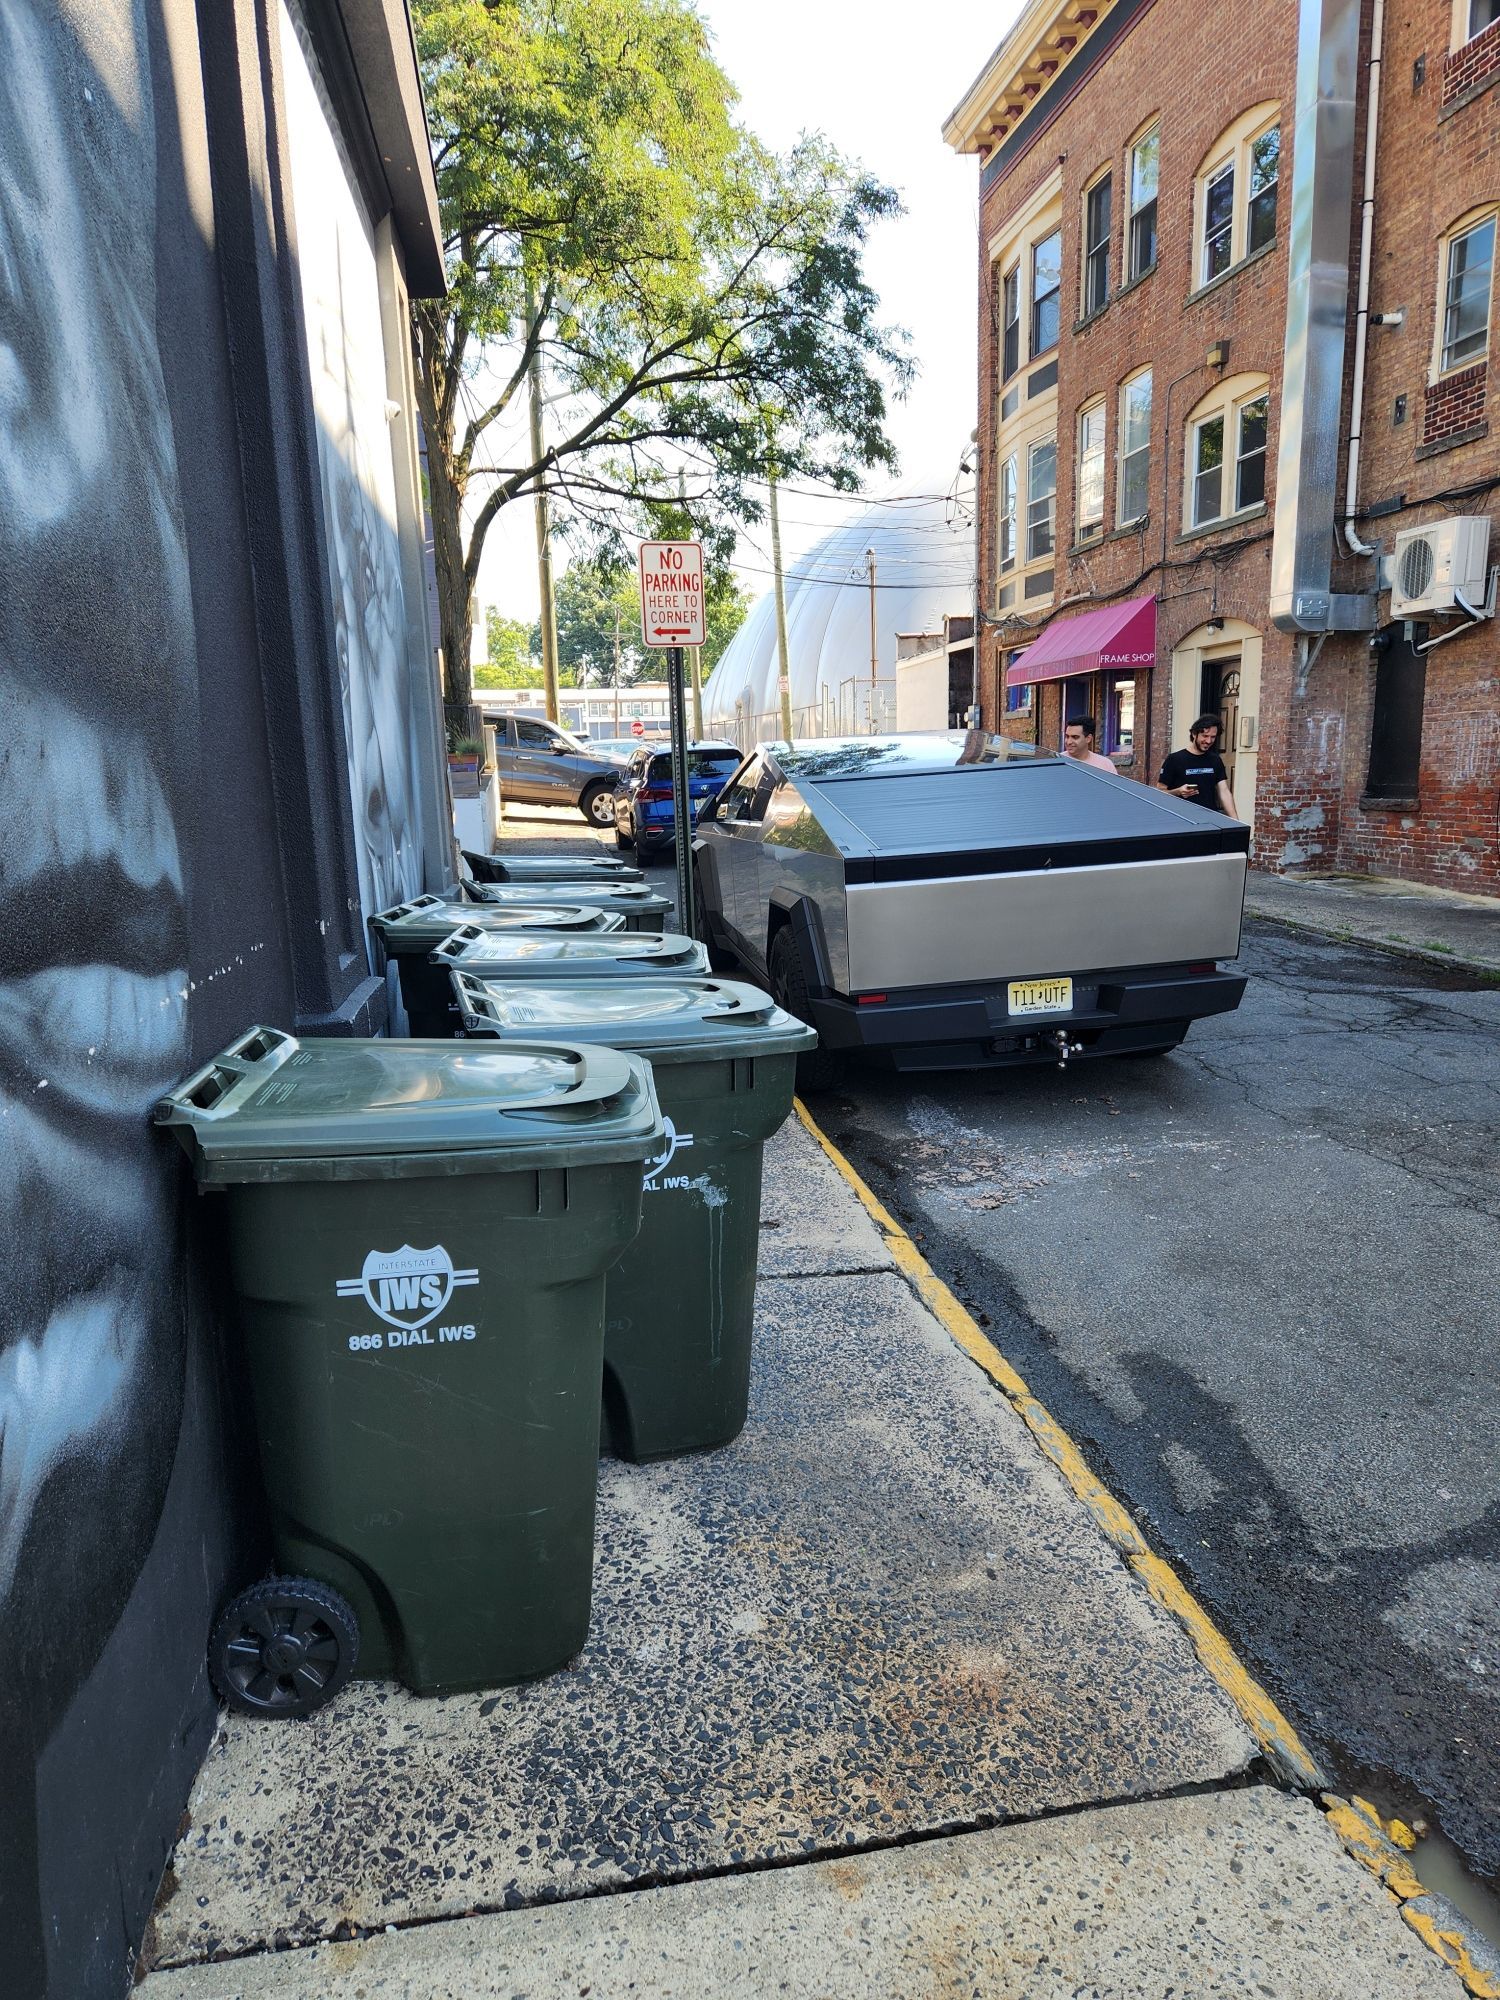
x,y
878,80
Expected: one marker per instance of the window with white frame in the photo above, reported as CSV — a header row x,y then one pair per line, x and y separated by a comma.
x,y
1226,453
1096,224
1236,193
1481,14
1010,294
1135,448
1041,498
1010,479
1468,282
1140,228
1046,291
1090,480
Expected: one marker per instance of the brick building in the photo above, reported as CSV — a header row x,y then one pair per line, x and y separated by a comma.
x,y
1192,298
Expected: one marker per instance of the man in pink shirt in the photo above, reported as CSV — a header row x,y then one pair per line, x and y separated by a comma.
x,y
1078,741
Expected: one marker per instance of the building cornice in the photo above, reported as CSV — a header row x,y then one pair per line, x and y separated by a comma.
x,y
1023,68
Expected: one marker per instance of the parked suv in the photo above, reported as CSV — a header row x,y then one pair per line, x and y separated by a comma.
x,y
643,804
542,765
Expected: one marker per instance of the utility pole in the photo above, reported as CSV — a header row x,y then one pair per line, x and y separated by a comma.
x,y
784,681
617,670
698,693
543,531
874,646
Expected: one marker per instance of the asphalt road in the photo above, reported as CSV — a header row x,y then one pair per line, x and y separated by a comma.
x,y
1257,1280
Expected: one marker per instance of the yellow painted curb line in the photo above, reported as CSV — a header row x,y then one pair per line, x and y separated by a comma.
x,y
1376,1843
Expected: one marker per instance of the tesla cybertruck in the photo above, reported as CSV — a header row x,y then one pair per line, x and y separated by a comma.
x,y
952,914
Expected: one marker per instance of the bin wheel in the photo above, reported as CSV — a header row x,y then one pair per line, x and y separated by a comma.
x,y
283,1647
821,1069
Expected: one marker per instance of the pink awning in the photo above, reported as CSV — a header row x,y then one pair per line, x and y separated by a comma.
x,y
1116,635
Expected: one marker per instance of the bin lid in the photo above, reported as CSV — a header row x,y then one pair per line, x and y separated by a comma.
x,y
418,925
551,868
624,896
528,955
272,1108
660,1018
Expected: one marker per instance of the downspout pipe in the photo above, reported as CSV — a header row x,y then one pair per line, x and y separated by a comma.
x,y
1317,312
1352,539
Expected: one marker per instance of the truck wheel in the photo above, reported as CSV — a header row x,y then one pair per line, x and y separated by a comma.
x,y
283,1648
598,805
820,1069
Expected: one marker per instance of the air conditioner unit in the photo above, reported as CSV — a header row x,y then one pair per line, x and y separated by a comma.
x,y
1435,565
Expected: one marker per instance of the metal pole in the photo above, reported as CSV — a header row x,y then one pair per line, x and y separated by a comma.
x,y
682,825
617,670
698,693
874,648
543,535
784,679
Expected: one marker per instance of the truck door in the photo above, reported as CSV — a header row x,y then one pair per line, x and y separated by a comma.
x,y
540,774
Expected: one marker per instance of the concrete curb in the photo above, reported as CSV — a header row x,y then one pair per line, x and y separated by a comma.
x,y
1453,961
1380,1846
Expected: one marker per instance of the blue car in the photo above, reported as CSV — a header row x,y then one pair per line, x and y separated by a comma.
x,y
643,803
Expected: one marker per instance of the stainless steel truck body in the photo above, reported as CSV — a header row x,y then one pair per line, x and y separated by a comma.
x,y
956,914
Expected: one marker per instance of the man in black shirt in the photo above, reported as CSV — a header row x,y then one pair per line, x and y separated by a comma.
x,y
1198,774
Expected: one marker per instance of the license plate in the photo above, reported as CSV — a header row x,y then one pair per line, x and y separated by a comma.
x,y
1040,996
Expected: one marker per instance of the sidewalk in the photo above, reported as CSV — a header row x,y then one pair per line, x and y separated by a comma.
x,y
1389,915
874,1705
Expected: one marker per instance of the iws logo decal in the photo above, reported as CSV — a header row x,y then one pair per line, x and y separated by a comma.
x,y
676,1141
407,1287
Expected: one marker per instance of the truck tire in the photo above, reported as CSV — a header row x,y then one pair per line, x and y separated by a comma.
x,y
598,804
821,1069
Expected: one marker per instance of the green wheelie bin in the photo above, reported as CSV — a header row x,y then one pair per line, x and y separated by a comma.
x,y
418,1235
409,931
681,1301
514,955
588,867
640,906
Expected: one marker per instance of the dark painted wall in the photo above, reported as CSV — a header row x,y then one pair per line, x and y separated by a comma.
x,y
176,862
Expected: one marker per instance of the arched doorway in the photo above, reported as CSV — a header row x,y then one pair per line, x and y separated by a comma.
x,y
1216,671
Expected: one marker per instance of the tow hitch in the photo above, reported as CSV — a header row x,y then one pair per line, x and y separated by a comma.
x,y
1059,1040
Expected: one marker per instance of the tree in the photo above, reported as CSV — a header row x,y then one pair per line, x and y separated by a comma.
x,y
594,591
675,281
511,649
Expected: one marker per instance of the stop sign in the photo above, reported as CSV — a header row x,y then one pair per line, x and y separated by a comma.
x,y
638,728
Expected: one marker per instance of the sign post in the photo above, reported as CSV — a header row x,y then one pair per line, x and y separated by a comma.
x,y
671,618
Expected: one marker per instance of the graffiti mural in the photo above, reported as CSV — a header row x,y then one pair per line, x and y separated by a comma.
x,y
98,690
341,305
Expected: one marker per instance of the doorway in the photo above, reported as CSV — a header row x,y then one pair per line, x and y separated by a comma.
x,y
1220,695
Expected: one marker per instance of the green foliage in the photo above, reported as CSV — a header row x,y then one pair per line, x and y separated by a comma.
x,y
594,592
697,302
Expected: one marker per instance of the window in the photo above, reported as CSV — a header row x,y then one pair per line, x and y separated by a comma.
x,y
1226,468
1010,286
1135,448
1091,471
1140,236
1470,264
1218,221
1041,498
1010,479
1482,14
534,735
1096,208
1265,167
1017,699
1235,211
1046,285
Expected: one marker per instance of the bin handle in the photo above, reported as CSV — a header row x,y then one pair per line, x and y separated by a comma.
x,y
257,1052
457,941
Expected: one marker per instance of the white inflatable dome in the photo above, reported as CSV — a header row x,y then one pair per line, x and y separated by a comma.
x,y
924,568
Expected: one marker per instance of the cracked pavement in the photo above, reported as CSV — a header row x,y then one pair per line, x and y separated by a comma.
x,y
1256,1281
